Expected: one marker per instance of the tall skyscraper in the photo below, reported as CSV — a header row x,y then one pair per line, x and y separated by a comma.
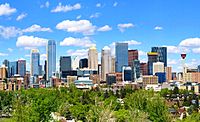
x,y
121,54
35,62
93,58
162,54
113,64
135,70
132,55
65,63
83,63
13,68
51,58
22,67
105,62
152,57
158,67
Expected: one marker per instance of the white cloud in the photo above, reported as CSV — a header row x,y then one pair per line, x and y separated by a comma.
x,y
3,54
98,5
47,4
132,42
61,8
105,28
82,53
10,49
95,15
5,9
115,4
36,28
172,62
177,49
142,53
190,42
7,32
78,17
21,16
122,27
80,26
196,50
30,41
158,28
82,42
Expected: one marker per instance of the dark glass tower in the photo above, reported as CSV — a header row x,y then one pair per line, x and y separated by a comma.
x,y
162,54
121,53
83,63
22,67
135,70
65,63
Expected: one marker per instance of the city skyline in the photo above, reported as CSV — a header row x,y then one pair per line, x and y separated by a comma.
x,y
141,25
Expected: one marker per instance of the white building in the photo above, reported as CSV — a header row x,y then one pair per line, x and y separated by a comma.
x,y
106,63
158,67
93,58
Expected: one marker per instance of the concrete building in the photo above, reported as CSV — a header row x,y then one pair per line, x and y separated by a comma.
x,y
3,72
106,63
113,64
149,79
158,67
93,58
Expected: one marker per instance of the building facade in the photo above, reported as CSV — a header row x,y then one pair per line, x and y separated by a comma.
x,y
93,58
21,67
105,62
162,54
152,57
144,68
35,62
83,63
121,56
135,70
132,55
158,67
168,71
51,59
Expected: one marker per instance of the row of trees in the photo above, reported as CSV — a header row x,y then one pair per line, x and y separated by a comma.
x,y
35,105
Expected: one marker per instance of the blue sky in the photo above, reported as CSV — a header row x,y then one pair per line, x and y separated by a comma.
x,y
78,24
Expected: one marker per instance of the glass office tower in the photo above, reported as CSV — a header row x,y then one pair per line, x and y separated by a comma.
x,y
35,62
121,53
162,54
22,67
51,58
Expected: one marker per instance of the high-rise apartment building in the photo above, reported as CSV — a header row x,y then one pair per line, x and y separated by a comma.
x,y
93,58
132,55
21,67
106,63
162,54
121,56
35,62
51,58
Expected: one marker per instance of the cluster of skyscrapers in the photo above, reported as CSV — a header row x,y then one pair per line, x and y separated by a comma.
x,y
123,67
